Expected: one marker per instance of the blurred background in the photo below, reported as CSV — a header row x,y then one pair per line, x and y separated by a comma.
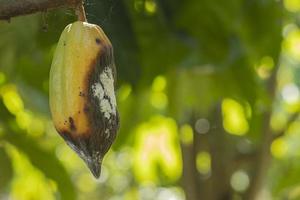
x,y
208,93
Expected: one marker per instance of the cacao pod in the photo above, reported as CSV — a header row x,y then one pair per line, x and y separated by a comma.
x,y
81,90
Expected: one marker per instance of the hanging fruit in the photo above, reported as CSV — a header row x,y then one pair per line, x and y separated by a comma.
x,y
82,95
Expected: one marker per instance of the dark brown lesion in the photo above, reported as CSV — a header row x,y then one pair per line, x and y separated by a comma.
x,y
72,124
98,41
81,94
86,109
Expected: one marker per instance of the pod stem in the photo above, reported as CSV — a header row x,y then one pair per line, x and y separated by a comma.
x,y
80,12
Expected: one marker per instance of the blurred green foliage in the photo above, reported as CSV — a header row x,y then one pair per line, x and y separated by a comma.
x,y
202,85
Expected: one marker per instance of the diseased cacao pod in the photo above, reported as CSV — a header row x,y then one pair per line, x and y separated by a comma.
x,y
82,96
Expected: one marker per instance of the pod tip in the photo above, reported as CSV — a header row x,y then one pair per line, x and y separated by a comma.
x,y
95,168
94,164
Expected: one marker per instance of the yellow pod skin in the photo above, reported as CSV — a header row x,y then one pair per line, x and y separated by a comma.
x,y
81,91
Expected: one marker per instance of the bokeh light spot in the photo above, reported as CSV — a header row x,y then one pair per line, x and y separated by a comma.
x,y
234,118
203,162
186,134
169,194
292,5
150,6
202,126
239,181
12,100
159,84
279,148
278,121
291,44
265,66
290,93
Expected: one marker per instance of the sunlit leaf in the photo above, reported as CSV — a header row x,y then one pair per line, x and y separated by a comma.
x,y
157,147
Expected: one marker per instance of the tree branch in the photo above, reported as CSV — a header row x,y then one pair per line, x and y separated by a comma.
x,y
189,179
264,157
13,8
